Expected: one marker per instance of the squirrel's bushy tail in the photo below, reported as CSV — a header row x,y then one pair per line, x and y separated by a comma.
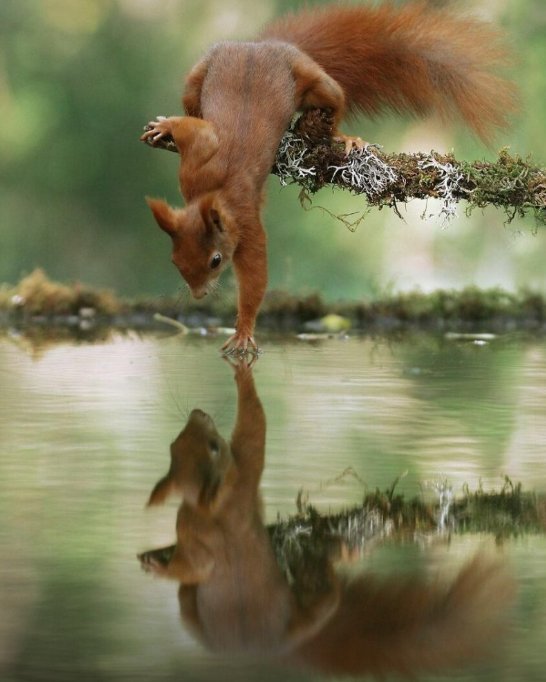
x,y
412,59
406,626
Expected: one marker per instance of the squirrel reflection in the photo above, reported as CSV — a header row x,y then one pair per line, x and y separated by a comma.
x,y
235,597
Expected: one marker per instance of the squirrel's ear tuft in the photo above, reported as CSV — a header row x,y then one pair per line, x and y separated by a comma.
x,y
165,215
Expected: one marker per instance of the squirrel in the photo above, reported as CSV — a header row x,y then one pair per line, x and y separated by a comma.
x,y
232,594
235,597
240,98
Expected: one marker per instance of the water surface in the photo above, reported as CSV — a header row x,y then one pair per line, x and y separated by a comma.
x,y
85,432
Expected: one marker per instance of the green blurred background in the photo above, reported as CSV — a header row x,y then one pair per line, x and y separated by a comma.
x,y
79,79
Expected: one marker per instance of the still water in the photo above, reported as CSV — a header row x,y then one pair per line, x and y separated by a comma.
x,y
85,433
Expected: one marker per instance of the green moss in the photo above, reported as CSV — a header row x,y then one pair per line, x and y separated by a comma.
x,y
510,511
512,183
36,294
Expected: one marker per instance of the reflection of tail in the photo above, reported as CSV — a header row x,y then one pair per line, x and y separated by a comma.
x,y
406,625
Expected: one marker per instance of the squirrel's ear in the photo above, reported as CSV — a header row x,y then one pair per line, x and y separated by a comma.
x,y
161,491
216,219
165,215
209,489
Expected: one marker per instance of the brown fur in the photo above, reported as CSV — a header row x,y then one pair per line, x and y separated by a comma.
x,y
409,59
407,625
240,98
232,593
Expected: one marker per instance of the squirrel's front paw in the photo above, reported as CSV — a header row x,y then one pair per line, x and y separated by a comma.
x,y
156,131
240,343
150,563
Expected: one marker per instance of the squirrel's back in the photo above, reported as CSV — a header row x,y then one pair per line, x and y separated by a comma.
x,y
412,59
406,626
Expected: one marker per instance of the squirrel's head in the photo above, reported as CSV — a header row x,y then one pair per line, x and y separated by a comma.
x,y
200,460
202,246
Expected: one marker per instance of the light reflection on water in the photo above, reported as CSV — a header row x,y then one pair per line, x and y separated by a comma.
x,y
85,431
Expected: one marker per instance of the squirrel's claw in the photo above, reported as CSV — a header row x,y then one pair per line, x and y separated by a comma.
x,y
241,364
240,344
156,130
150,564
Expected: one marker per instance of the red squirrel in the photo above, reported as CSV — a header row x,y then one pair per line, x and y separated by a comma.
x,y
233,595
240,97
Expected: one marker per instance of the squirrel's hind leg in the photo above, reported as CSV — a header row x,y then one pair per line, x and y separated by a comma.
x,y
191,99
315,89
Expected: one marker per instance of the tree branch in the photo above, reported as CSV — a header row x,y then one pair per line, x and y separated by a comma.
x,y
308,157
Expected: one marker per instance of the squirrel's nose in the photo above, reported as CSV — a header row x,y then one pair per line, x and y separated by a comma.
x,y
199,292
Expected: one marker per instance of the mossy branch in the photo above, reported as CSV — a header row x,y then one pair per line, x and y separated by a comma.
x,y
308,157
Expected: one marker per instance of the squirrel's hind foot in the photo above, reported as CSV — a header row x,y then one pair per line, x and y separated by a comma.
x,y
350,141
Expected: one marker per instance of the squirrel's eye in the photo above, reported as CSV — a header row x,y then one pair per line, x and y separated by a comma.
x,y
214,448
215,261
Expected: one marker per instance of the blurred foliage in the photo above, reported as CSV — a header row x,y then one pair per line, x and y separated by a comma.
x,y
79,80
465,313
